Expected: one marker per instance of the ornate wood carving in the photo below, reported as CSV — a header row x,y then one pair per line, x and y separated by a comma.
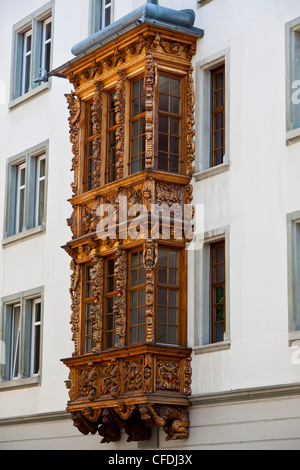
x,y
174,420
149,115
190,144
74,107
75,292
119,99
97,309
121,288
133,375
168,375
97,131
150,260
128,387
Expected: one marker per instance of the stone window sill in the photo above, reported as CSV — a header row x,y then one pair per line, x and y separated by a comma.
x,y
19,383
23,235
216,170
209,348
21,99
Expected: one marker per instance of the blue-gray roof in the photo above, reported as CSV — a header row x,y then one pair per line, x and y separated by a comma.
x,y
150,13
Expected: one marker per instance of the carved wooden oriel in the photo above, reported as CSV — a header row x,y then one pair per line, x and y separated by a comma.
x,y
131,368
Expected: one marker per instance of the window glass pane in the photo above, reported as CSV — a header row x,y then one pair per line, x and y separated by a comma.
x,y
162,334
174,145
133,299
172,316
173,298
162,275
41,202
174,105
164,124
48,30
219,273
175,87
28,43
162,296
162,257
133,335
174,126
133,316
142,315
142,333
162,314
164,103
107,16
164,84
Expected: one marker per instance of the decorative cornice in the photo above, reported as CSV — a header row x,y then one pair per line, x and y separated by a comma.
x,y
247,394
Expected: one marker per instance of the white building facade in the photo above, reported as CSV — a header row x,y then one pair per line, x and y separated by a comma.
x,y
246,358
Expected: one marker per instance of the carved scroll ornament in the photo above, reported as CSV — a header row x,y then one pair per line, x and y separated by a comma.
x,y
74,107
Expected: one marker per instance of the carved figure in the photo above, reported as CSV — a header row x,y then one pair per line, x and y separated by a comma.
x,y
174,420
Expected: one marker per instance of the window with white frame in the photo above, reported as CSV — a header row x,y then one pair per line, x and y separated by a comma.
x,y
26,191
46,44
27,61
101,14
293,80
32,52
213,108
21,335
293,243
212,297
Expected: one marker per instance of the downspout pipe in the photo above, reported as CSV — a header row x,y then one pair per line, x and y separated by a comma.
x,y
151,11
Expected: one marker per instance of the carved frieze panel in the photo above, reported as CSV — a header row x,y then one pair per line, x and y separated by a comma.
x,y
168,375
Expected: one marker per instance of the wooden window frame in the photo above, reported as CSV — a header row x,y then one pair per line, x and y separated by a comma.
x,y
85,302
137,118
169,115
214,286
110,130
89,136
168,286
106,296
136,288
214,112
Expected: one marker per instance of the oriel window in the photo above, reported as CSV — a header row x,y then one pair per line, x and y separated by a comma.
x,y
138,138
217,115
